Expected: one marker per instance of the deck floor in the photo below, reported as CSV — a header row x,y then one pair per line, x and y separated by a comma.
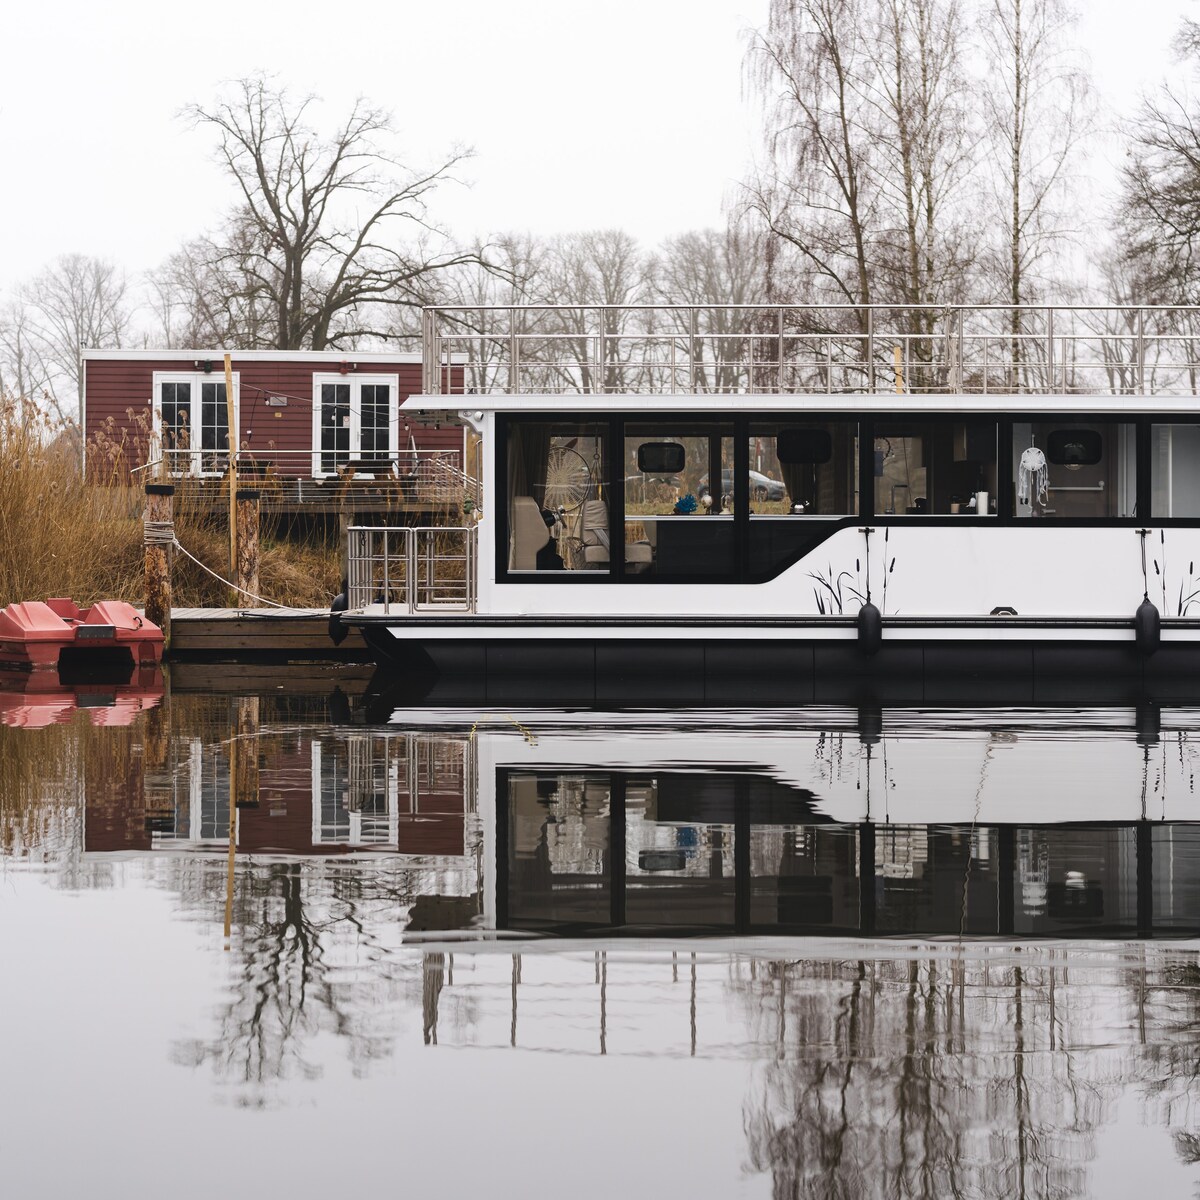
x,y
235,634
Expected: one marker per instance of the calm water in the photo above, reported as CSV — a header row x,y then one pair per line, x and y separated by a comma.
x,y
261,935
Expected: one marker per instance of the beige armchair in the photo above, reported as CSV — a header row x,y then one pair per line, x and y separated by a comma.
x,y
638,555
529,534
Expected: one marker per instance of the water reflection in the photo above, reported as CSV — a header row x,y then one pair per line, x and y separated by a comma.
x,y
381,872
839,822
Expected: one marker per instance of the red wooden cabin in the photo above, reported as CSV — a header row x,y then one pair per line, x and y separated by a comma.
x,y
303,418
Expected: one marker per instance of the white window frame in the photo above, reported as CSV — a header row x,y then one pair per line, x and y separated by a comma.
x,y
195,379
356,382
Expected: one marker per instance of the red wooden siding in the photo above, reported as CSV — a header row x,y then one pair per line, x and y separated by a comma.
x,y
120,390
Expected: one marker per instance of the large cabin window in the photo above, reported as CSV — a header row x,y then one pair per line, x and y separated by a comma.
x,y
558,501
1175,470
679,500
1074,469
935,468
800,473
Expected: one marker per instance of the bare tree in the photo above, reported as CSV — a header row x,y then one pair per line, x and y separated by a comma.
x,y
206,294
77,302
1160,208
329,232
595,277
712,269
866,183
816,192
927,143
1037,107
25,372
515,274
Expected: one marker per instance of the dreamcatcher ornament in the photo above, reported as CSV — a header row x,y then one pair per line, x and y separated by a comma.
x,y
1032,477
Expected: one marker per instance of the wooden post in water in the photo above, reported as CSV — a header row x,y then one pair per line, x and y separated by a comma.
x,y
244,772
158,527
247,523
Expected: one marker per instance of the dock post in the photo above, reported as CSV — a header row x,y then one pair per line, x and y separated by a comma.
x,y
159,533
248,519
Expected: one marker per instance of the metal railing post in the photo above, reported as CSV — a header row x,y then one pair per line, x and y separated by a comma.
x,y
514,354
430,364
871,351
387,583
410,565
1049,348
1141,351
780,352
962,349
692,349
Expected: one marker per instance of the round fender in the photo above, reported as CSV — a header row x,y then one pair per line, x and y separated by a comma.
x,y
337,631
870,628
1147,627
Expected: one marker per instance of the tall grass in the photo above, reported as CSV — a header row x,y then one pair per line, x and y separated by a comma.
x,y
62,534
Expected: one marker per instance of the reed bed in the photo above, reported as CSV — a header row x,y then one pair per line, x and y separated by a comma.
x,y
64,534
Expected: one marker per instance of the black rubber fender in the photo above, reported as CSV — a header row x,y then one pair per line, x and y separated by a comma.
x,y
870,628
338,633
1147,626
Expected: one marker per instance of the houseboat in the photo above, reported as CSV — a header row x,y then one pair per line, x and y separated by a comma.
x,y
811,504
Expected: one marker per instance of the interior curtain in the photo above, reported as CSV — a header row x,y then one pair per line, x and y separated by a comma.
x,y
535,449
528,451
797,478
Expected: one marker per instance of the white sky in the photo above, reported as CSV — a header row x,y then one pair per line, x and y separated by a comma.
x,y
627,113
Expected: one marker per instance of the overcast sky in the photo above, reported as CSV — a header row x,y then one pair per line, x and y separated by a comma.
x,y
627,113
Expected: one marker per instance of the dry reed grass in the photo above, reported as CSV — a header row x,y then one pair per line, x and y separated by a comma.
x,y
62,534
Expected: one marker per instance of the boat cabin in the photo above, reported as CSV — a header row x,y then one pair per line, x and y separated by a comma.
x,y
974,485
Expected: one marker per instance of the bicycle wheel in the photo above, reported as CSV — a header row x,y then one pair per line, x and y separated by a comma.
x,y
568,480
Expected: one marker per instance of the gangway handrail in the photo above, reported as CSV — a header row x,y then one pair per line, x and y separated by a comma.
x,y
434,568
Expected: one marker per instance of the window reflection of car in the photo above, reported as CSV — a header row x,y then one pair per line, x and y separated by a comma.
x,y
647,488
762,487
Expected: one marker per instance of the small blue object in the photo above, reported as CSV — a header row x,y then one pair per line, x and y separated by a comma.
x,y
686,505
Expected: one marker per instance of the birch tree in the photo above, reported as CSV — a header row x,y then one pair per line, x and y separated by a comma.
x,y
1037,107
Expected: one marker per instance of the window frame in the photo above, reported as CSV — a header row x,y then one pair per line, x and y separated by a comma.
x,y
195,380
356,381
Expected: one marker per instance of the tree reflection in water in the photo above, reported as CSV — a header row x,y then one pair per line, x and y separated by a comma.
x,y
963,1076
317,954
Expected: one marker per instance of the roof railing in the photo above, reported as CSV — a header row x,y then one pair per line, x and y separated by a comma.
x,y
812,349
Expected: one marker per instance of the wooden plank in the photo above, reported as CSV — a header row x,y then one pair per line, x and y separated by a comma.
x,y
301,633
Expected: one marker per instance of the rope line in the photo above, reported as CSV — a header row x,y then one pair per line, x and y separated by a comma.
x,y
221,579
161,534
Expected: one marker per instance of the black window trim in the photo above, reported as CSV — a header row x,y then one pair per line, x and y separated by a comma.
x,y
741,422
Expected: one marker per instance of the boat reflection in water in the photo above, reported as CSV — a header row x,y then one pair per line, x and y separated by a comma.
x,y
840,822
901,1018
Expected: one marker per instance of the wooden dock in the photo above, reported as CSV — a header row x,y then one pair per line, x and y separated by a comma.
x,y
259,634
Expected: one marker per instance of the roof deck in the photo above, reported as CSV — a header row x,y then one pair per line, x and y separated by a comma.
x,y
663,350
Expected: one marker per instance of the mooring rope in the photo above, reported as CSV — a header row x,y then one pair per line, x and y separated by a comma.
x,y
160,534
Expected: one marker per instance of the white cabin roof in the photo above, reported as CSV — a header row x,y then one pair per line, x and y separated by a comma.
x,y
1093,406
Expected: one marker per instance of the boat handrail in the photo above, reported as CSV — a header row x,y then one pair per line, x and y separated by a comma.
x,y
748,349
410,569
